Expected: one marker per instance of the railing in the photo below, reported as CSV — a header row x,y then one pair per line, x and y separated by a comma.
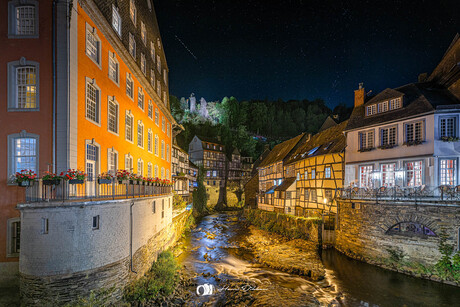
x,y
92,190
420,193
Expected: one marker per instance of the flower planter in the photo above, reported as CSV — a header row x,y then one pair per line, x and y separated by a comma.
x,y
76,181
132,182
51,182
104,181
25,183
123,181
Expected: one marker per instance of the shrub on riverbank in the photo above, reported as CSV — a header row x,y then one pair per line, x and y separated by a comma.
x,y
292,227
159,282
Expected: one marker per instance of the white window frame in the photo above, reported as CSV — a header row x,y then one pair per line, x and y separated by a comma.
x,y
133,12
150,140
454,127
11,249
159,63
371,110
116,20
140,134
131,137
168,130
12,92
163,124
157,145
140,167
165,76
167,153
327,172
157,117
388,176
12,149
113,62
442,180
414,171
143,33
382,107
152,78
143,64
90,30
152,51
111,151
12,20
129,161
92,82
395,103
369,180
162,149
132,45
150,110
367,139
140,98
149,169
413,133
155,171
112,100
130,81
391,137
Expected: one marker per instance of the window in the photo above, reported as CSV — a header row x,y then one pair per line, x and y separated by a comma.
x,y
306,175
383,107
23,87
152,51
23,19
143,33
150,110
162,149
156,171
132,45
92,101
158,88
140,134
165,76
93,45
114,68
298,176
366,140
163,124
152,78
314,197
165,98
162,173
167,152
306,194
143,64
371,110
112,116
168,130
388,174
328,195
312,151
365,176
116,20
149,141
22,152
327,172
129,122
395,103
149,170
14,237
96,222
159,63
388,137
129,163
140,167
132,11
448,127
167,177
414,174
448,172
112,161
156,145
313,174
414,132
129,86
140,98
157,117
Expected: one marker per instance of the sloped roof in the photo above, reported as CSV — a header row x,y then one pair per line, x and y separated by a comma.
x,y
209,139
285,184
331,140
386,94
192,164
280,151
328,123
418,98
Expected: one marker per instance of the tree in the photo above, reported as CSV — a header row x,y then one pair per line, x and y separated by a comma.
x,y
200,197
176,110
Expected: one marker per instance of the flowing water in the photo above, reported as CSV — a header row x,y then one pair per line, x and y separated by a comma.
x,y
212,253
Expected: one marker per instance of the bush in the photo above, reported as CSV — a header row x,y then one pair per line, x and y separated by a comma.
x,y
178,201
159,281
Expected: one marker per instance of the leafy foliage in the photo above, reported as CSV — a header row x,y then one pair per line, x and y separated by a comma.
x,y
200,197
159,281
178,201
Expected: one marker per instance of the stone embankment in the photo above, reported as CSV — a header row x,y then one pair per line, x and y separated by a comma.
x,y
292,256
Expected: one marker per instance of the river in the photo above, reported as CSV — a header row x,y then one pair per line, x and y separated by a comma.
x,y
212,254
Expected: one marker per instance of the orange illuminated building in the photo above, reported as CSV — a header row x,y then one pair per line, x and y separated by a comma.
x,y
102,106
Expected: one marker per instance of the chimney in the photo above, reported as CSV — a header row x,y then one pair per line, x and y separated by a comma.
x,y
360,95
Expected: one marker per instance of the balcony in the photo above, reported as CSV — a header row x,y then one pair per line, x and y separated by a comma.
x,y
64,191
420,194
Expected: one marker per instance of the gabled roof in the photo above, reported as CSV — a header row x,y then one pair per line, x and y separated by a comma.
x,y
280,151
285,184
331,140
209,139
328,123
384,95
419,98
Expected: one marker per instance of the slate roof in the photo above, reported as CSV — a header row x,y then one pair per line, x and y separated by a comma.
x,y
209,139
280,151
331,140
418,98
285,184
328,123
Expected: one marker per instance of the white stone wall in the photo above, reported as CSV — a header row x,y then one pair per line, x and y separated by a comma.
x,y
72,245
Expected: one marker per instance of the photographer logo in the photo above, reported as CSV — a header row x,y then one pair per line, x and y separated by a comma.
x,y
206,289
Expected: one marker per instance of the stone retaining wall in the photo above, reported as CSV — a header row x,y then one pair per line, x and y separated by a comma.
x,y
362,230
72,258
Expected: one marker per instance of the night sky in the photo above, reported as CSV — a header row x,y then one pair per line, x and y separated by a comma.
x,y
301,49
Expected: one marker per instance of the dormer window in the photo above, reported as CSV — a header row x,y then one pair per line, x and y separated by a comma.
x,y
384,106
395,103
371,110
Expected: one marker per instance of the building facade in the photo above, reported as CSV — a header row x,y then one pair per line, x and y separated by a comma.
x,y
271,173
85,86
181,172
